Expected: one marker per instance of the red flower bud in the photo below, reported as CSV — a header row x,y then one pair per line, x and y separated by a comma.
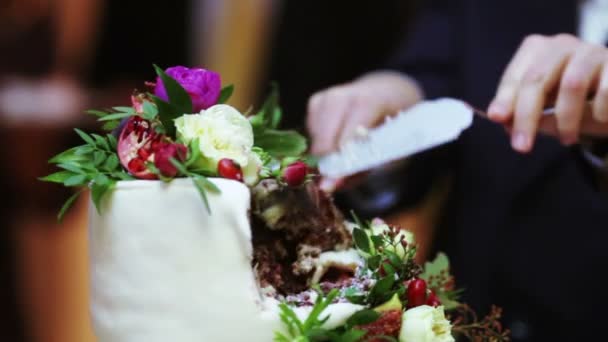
x,y
163,155
295,173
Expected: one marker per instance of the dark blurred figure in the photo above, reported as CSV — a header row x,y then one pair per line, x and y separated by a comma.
x,y
319,43
523,231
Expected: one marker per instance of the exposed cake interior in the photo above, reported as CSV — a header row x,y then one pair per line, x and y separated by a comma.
x,y
299,238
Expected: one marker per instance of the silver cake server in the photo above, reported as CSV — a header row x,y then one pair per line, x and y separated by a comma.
x,y
426,125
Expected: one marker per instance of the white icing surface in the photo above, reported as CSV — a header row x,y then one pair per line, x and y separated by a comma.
x,y
163,269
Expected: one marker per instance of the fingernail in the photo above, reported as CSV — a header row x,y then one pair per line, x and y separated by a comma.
x,y
520,142
497,111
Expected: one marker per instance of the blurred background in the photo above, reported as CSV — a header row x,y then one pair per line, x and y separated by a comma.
x,y
60,57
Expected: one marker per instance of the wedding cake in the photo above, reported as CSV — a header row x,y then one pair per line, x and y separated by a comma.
x,y
163,268
212,227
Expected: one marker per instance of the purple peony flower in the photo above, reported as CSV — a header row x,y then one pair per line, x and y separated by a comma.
x,y
202,85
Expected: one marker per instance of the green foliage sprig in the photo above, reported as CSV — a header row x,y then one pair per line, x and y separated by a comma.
x,y
267,136
94,164
311,330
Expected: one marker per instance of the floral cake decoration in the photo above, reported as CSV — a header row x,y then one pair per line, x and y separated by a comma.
x,y
182,128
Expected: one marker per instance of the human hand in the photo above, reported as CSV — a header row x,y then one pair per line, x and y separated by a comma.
x,y
336,113
559,69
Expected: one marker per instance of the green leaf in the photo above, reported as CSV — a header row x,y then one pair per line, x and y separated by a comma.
x,y
280,143
225,93
356,219
84,150
377,241
122,175
124,109
373,262
320,305
353,335
110,125
149,116
97,193
96,112
394,258
361,240
85,137
102,179
209,186
115,116
275,118
436,267
266,117
75,180
447,302
112,141
356,298
68,204
111,163
194,152
70,155
388,269
310,160
150,110
57,177
98,158
362,317
71,167
200,186
295,326
179,166
176,93
382,289
167,113
101,142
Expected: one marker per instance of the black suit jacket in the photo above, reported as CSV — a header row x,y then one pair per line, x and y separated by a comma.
x,y
526,232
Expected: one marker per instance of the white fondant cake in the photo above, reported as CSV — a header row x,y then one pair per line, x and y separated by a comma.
x,y
164,269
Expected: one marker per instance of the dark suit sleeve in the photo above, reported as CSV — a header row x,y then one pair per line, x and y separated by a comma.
x,y
431,51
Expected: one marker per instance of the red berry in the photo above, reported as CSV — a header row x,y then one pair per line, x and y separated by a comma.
x,y
163,155
228,168
433,300
416,293
295,173
136,165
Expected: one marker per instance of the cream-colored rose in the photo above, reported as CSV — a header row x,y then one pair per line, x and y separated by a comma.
x,y
425,324
222,131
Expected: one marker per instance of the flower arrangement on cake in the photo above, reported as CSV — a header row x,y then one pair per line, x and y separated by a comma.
x,y
208,224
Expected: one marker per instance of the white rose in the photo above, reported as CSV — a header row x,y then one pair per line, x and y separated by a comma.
x,y
425,324
222,131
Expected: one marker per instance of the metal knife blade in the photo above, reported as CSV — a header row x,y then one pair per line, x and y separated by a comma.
x,y
421,127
